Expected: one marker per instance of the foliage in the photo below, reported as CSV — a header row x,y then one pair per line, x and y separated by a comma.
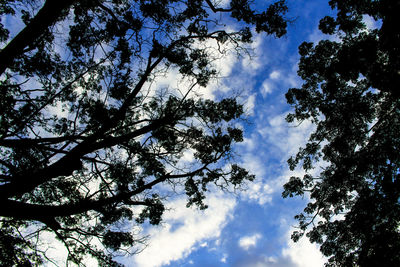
x,y
87,138
351,93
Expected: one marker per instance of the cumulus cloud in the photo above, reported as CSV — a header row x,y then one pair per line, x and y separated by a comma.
x,y
303,253
247,242
259,192
184,229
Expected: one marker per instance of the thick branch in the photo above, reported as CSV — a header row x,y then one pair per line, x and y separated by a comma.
x,y
27,211
112,141
12,143
24,183
47,16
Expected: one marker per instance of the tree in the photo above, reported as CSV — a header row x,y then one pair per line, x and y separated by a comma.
x,y
351,94
86,137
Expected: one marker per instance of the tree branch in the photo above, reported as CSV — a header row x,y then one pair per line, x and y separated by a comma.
x,y
24,182
215,10
13,143
47,16
47,213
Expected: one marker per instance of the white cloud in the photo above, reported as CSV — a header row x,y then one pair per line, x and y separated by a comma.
x,y
58,253
266,87
55,250
317,36
188,156
263,190
247,242
276,80
58,110
256,60
283,138
275,75
370,22
303,253
250,104
221,3
259,192
203,245
223,62
299,254
248,143
276,140
224,258
255,164
185,229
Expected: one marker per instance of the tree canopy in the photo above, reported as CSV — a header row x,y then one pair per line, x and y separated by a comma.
x,y
85,136
351,94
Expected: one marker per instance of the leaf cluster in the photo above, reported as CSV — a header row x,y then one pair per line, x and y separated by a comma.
x,y
350,92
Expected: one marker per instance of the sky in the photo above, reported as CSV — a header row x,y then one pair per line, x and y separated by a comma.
x,y
250,228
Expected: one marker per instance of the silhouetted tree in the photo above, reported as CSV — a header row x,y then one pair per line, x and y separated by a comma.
x,y
351,94
85,137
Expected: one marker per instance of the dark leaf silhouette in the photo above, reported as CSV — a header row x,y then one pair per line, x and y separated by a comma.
x,y
351,93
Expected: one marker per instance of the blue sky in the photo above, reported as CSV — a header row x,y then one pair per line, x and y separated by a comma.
x,y
250,228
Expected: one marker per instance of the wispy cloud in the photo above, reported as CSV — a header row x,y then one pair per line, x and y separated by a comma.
x,y
283,138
